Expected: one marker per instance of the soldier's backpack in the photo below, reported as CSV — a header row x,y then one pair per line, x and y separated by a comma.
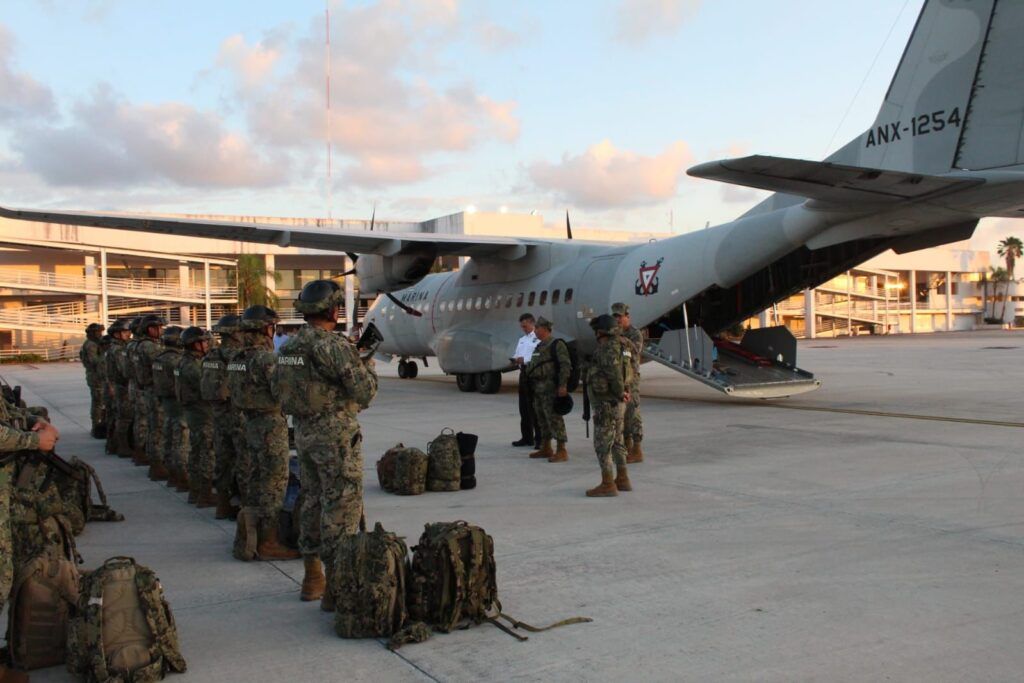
x,y
386,468
76,492
444,465
575,370
44,596
123,629
453,581
403,471
369,583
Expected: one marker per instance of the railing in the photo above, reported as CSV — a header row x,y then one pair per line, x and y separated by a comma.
x,y
140,287
68,352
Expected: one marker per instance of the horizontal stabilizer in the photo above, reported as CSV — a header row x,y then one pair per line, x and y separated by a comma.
x,y
827,182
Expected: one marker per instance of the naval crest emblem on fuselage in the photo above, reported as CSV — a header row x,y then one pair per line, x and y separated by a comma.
x,y
647,280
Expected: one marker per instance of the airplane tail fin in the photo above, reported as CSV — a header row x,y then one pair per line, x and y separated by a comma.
x,y
957,98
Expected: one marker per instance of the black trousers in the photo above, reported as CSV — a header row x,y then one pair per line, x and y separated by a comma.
x,y
527,418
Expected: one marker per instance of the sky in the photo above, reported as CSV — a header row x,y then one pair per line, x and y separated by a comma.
x,y
597,107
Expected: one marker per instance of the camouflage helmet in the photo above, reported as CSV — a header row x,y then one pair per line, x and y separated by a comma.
x,y
119,325
228,324
194,334
94,330
171,335
620,308
134,325
543,322
150,320
318,296
603,324
106,340
257,317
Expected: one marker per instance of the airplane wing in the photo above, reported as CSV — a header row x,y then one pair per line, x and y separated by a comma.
x,y
361,242
827,182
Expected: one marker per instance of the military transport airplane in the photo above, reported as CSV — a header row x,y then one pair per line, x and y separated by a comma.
x,y
946,149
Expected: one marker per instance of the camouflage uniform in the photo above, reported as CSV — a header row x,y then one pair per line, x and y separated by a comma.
x,y
228,428
633,343
10,440
607,380
90,356
140,403
146,351
174,431
544,383
266,431
109,412
324,371
198,417
119,375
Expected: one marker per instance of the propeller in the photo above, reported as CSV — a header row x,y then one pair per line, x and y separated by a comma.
x,y
568,227
354,256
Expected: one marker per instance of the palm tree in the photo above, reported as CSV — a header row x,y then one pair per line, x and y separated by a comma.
x,y
252,282
997,276
1010,249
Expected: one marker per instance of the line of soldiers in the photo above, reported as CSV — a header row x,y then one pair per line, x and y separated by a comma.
x,y
612,381
208,417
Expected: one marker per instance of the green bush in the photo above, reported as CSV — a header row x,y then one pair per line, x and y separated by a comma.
x,y
23,358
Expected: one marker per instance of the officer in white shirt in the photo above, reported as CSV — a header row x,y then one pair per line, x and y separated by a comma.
x,y
523,353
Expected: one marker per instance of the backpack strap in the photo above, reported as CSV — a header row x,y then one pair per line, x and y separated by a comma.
x,y
165,648
90,636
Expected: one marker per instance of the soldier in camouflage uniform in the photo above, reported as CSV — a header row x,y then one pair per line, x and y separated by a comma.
x,y
107,391
43,437
250,374
548,370
633,344
146,351
173,450
90,357
323,384
118,375
228,430
608,379
198,415
140,404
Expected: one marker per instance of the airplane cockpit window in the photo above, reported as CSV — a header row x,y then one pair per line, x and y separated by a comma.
x,y
533,297
554,296
568,296
519,300
543,297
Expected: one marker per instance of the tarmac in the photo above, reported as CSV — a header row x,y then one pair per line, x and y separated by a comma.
x,y
871,530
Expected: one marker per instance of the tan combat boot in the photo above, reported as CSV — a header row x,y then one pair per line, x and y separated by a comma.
x,y
206,497
313,582
622,482
634,453
223,505
183,482
246,537
606,488
157,472
193,492
545,450
139,456
12,675
327,601
561,455
270,548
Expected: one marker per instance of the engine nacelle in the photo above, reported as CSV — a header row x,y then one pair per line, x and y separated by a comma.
x,y
391,273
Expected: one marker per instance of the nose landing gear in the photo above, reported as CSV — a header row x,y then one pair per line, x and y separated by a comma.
x,y
407,369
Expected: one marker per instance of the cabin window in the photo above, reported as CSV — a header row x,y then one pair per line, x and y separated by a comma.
x,y
508,301
519,300
479,303
568,296
555,296
543,297
458,305
487,304
533,297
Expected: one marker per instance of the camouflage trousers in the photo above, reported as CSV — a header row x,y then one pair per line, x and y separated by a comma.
x,y
110,414
199,418
124,411
331,472
549,423
96,403
228,444
633,423
154,427
174,436
6,542
140,418
608,441
266,441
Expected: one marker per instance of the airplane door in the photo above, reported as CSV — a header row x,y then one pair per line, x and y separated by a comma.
x,y
593,296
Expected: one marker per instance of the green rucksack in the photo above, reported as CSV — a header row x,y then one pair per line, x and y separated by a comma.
x,y
403,471
386,468
123,629
76,492
369,583
444,468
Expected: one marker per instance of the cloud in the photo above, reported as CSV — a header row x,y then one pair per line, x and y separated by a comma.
x,y
251,65
110,141
21,96
496,38
605,177
638,21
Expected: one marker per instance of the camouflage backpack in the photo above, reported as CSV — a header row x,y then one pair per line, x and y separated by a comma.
x,y
369,583
445,463
386,468
76,492
39,517
123,629
44,596
403,471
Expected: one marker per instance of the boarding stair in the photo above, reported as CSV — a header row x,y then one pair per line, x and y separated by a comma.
x,y
762,365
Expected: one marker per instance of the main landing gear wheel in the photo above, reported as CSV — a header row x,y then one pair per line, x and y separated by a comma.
x,y
466,382
488,382
407,369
